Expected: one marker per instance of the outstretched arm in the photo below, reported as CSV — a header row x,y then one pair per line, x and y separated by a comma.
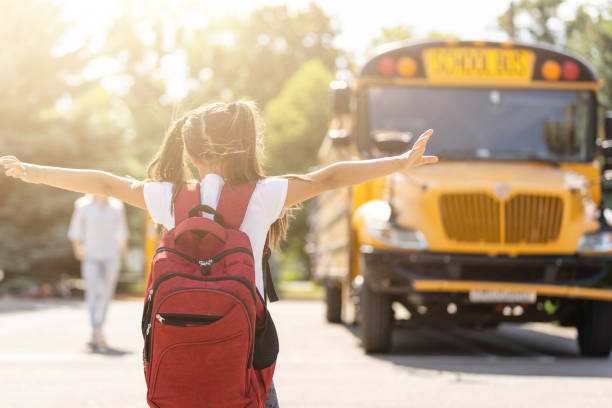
x,y
348,173
82,181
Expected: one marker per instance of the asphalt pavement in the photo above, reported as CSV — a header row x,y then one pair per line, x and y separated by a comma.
x,y
44,362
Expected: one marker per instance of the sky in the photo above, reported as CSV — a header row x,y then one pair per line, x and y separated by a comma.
x,y
362,23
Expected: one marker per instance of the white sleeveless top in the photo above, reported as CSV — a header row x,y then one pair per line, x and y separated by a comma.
x,y
265,207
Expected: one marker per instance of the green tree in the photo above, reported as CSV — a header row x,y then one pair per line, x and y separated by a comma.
x,y
588,33
296,123
254,57
402,32
541,18
389,34
296,120
224,59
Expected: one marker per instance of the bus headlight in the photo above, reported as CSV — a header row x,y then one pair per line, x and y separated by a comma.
x,y
392,235
600,241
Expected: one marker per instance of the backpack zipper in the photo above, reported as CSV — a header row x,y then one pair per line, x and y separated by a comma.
x,y
183,320
205,264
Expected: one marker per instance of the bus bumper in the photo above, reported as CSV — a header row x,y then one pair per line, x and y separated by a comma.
x,y
563,276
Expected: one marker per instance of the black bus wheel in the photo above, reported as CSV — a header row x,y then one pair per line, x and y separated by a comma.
x,y
333,302
376,319
595,329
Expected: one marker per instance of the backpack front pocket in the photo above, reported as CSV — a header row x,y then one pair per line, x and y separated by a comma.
x,y
202,374
201,357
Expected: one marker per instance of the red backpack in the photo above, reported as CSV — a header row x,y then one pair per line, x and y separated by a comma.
x,y
209,339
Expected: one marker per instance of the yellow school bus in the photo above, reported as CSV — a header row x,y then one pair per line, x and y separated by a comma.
x,y
507,227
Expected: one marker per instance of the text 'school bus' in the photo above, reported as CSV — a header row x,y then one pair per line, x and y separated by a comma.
x,y
506,228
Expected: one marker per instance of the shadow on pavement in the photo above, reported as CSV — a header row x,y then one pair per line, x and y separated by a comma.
x,y
509,350
109,352
11,305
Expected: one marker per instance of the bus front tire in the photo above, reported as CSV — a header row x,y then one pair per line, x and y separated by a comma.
x,y
376,321
333,303
595,329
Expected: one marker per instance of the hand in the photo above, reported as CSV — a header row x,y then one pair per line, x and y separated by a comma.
x,y
79,253
414,157
18,169
122,250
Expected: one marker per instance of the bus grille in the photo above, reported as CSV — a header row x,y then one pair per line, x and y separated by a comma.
x,y
479,217
533,218
471,217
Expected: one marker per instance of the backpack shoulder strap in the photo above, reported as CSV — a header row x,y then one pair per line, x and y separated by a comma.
x,y
269,289
187,198
233,203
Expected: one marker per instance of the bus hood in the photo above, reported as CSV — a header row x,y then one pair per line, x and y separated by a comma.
x,y
536,177
488,207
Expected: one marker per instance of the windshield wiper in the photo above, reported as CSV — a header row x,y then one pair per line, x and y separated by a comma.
x,y
463,153
487,154
526,156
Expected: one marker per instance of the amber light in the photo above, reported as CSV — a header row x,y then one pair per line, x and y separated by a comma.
x,y
571,70
551,70
406,66
387,66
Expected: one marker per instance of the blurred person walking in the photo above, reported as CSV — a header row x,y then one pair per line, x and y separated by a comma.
x,y
98,232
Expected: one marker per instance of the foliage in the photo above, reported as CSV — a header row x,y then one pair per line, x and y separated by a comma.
x,y
224,59
267,48
296,120
402,32
588,33
395,33
296,123
540,19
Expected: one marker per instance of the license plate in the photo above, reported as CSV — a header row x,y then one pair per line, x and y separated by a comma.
x,y
501,296
447,64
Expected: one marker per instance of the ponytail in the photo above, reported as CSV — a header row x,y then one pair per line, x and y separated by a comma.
x,y
169,163
245,148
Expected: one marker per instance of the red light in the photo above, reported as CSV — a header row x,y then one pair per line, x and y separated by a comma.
x,y
386,66
571,70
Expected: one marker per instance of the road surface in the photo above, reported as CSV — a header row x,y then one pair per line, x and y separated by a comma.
x,y
44,363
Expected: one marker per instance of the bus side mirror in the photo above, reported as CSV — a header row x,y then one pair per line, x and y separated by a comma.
x,y
605,146
392,142
340,97
339,137
608,125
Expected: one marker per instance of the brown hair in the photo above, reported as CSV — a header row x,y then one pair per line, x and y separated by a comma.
x,y
226,135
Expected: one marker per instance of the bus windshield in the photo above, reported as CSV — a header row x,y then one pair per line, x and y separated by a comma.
x,y
496,124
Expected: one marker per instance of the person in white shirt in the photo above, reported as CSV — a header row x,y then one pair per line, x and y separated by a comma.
x,y
223,142
98,232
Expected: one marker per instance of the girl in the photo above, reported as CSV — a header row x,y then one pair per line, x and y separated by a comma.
x,y
223,142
